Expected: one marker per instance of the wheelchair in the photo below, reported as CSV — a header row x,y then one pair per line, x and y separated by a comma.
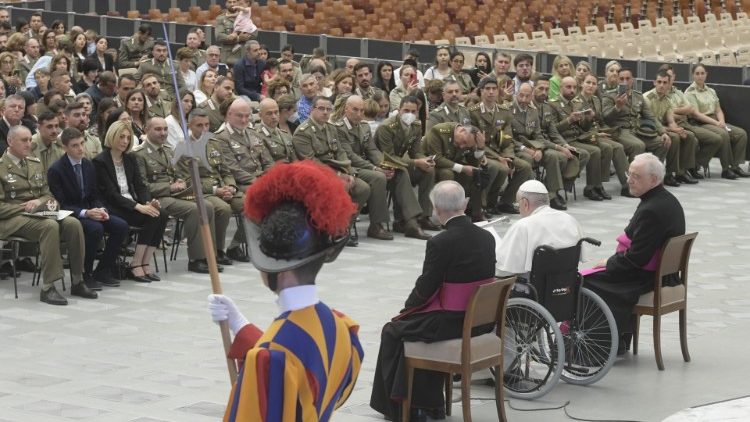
x,y
555,327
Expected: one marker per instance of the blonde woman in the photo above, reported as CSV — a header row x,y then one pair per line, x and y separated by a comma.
x,y
128,197
562,66
9,74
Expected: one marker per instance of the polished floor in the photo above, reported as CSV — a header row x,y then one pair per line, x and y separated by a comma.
x,y
151,353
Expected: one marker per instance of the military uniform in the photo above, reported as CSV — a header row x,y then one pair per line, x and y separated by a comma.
x,y
163,72
25,181
278,143
356,141
215,119
23,67
231,52
131,51
681,153
610,150
199,57
244,154
527,129
708,143
366,94
625,121
91,144
438,141
320,142
496,125
402,145
216,176
47,155
155,167
444,114
162,107
580,139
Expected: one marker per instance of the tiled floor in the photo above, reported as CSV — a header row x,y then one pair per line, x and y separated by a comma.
x,y
150,352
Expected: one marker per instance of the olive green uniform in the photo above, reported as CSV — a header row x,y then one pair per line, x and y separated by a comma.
x,y
356,141
244,154
199,57
163,72
24,182
158,173
496,125
278,143
24,65
444,114
681,153
47,155
231,51
131,51
402,144
464,81
610,149
527,130
215,119
548,120
574,135
162,107
216,176
368,93
625,122
320,142
438,141
91,144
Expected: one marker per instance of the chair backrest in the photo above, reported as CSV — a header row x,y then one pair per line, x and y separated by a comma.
x,y
487,305
675,256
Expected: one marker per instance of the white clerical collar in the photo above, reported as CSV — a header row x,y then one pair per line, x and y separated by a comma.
x,y
539,209
455,216
298,297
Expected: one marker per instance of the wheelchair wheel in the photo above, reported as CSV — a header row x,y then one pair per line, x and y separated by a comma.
x,y
532,350
590,341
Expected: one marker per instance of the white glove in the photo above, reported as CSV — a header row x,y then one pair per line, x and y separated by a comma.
x,y
222,308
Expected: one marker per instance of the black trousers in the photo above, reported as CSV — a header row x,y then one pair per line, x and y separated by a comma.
x,y
152,228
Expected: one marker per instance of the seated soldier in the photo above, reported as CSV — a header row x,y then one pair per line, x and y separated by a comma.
x,y
539,225
451,110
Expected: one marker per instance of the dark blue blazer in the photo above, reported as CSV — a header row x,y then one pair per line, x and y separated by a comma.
x,y
247,80
63,184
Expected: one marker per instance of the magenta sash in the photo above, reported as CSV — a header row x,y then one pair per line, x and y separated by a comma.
x,y
623,244
449,297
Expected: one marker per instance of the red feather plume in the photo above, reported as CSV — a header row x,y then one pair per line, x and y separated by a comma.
x,y
315,186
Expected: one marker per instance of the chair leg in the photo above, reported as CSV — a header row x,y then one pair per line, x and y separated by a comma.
x,y
14,255
657,342
466,393
636,328
448,393
164,256
406,404
156,262
683,335
499,399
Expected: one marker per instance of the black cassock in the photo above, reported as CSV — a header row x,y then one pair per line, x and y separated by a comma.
x,y
463,253
658,218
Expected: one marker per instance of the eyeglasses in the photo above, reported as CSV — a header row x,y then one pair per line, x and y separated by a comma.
x,y
323,109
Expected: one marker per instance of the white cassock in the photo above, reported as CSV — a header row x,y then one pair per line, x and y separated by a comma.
x,y
545,226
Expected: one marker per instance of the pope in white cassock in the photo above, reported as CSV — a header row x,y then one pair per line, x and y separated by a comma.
x,y
539,225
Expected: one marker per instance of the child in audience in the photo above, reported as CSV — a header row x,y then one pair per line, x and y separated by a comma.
x,y
243,22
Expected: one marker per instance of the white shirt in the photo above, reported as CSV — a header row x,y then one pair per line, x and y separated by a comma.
x,y
174,132
298,297
122,181
545,226
190,79
200,97
420,77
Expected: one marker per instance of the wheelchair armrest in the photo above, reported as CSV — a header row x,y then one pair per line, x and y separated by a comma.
x,y
590,240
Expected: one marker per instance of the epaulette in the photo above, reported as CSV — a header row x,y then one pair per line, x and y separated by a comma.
x,y
556,100
505,106
636,92
576,100
474,107
338,123
446,130
221,128
532,106
30,158
304,125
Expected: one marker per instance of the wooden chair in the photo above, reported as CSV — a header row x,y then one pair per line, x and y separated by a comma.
x,y
665,299
466,354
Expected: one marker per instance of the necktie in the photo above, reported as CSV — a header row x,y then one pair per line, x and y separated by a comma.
x,y
79,176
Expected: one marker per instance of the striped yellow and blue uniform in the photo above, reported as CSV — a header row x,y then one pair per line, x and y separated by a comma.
x,y
301,369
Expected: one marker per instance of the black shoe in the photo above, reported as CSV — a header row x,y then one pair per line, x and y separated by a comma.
x,y
52,296
138,278
686,179
503,208
236,254
728,174
105,279
592,194
91,282
376,231
417,415
603,193
26,265
739,172
153,277
198,266
223,259
626,193
558,203
669,180
353,240
696,174
425,223
81,290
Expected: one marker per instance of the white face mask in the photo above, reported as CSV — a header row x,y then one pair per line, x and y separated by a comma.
x,y
408,118
293,118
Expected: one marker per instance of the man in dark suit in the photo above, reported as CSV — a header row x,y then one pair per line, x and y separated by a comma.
x,y
247,72
14,109
629,274
463,253
72,180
